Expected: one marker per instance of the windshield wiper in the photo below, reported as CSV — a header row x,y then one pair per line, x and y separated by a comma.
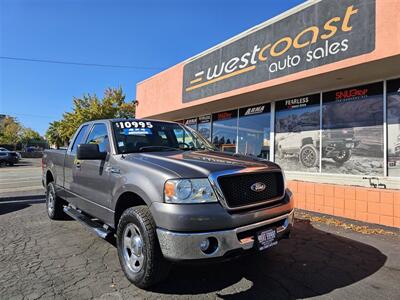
x,y
157,148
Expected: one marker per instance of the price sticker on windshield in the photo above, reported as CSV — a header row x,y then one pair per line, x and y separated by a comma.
x,y
133,124
137,131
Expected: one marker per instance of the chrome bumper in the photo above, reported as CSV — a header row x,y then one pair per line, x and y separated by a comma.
x,y
186,246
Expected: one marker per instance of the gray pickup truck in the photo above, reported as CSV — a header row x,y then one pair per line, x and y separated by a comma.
x,y
166,194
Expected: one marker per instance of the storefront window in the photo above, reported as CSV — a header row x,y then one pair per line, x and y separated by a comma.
x,y
393,121
204,126
192,123
224,129
254,131
352,136
297,123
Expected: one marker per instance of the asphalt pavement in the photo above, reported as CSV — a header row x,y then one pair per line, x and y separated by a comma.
x,y
22,179
44,259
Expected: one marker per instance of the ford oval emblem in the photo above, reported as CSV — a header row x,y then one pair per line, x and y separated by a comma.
x,y
258,187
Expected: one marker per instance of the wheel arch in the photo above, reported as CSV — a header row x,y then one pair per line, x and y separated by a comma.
x,y
126,200
49,177
307,141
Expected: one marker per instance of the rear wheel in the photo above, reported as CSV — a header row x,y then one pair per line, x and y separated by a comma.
x,y
138,248
54,204
309,156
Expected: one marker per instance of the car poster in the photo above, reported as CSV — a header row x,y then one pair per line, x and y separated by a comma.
x,y
352,130
204,126
393,121
297,124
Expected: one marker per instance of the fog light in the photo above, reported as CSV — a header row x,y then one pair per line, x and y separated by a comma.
x,y
204,245
209,245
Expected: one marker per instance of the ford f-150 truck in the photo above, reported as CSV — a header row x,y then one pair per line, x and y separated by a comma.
x,y
166,194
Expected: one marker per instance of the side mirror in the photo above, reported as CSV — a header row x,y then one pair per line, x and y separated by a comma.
x,y
90,151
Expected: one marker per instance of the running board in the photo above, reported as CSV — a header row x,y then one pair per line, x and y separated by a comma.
x,y
94,226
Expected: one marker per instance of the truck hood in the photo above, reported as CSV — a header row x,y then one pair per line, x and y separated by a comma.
x,y
189,164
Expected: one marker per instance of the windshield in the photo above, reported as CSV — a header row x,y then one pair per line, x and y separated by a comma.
x,y
144,136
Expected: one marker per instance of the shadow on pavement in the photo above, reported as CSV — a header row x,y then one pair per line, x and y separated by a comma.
x,y
6,208
310,263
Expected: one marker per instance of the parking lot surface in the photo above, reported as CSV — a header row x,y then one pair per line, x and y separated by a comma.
x,y
24,178
47,259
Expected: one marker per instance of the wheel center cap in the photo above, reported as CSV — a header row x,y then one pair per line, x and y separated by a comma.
x,y
137,245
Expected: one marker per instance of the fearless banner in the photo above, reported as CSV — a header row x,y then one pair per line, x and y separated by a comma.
x,y
325,32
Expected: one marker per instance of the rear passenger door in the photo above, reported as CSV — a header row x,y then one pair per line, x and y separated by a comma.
x,y
93,181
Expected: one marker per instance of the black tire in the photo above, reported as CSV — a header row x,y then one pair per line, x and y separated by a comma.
x,y
309,156
343,156
54,204
153,268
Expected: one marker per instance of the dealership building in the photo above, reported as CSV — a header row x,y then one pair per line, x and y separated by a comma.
x,y
316,90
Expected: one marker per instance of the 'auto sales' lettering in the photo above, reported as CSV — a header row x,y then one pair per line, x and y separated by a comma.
x,y
318,42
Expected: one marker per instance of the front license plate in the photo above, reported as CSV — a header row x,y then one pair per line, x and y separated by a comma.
x,y
267,238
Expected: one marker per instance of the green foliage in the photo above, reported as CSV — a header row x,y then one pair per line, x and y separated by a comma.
x,y
12,132
29,135
88,108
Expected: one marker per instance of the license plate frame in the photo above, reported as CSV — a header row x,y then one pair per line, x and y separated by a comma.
x,y
266,238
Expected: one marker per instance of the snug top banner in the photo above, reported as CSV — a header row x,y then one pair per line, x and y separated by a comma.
x,y
323,33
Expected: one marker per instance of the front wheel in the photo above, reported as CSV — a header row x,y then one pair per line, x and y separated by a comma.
x,y
309,156
139,252
342,156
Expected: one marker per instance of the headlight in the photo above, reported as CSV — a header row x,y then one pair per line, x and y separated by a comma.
x,y
189,191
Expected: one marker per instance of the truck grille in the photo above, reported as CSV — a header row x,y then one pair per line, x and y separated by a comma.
x,y
238,193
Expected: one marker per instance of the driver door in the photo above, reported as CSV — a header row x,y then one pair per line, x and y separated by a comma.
x,y
93,180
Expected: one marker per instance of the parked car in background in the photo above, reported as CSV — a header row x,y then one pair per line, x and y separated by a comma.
x,y
8,158
2,149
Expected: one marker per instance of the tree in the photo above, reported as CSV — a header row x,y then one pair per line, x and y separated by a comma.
x,y
88,108
29,135
10,131
53,134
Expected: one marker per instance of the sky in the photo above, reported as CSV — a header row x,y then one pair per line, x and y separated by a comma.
x,y
148,36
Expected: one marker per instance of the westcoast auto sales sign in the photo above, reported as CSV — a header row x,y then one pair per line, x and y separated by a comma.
x,y
325,32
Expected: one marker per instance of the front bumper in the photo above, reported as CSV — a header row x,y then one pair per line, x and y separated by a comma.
x,y
186,246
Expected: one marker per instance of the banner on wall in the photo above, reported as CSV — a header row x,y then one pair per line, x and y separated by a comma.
x,y
322,33
299,102
205,119
225,115
191,122
255,110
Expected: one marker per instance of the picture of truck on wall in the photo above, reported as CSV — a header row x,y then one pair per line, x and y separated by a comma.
x,y
337,144
397,147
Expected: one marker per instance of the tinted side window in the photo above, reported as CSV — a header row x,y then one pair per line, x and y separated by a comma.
x,y
78,139
99,135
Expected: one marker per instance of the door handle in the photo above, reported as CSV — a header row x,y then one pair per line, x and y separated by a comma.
x,y
78,165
